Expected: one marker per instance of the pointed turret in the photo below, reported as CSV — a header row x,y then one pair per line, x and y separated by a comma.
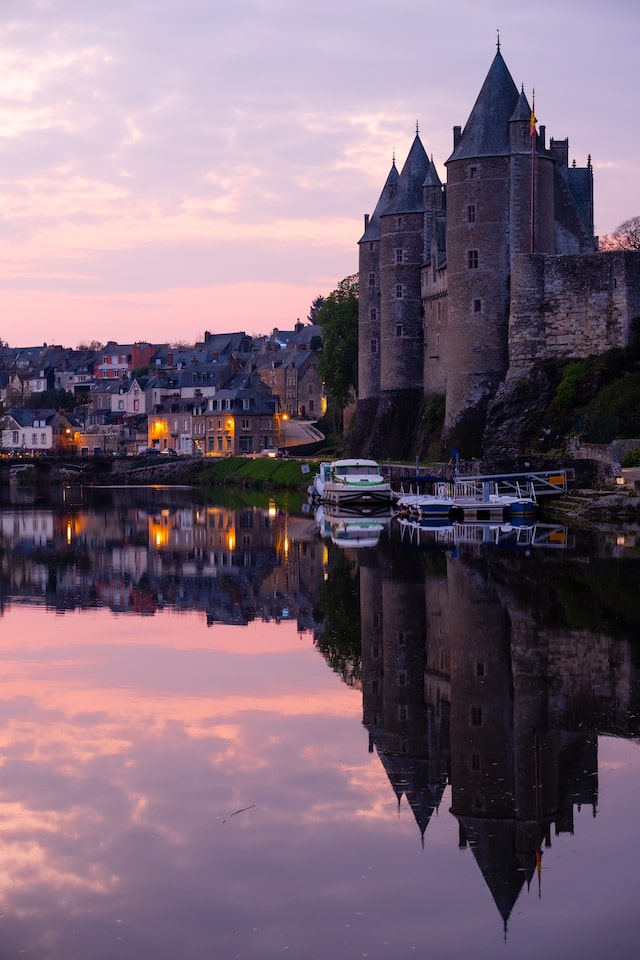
x,y
486,133
369,286
372,223
402,253
408,195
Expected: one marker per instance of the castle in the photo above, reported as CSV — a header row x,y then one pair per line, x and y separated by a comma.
x,y
465,285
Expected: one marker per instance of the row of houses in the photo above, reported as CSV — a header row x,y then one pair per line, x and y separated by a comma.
x,y
227,395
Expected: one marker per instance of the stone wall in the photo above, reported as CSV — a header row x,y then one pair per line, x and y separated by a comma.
x,y
571,306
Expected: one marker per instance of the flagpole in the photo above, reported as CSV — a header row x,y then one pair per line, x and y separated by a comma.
x,y
532,134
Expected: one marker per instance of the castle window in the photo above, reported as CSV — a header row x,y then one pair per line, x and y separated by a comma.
x,y
399,255
476,716
480,668
373,315
475,762
370,248
374,346
471,213
399,330
477,306
399,222
472,259
473,173
372,279
400,291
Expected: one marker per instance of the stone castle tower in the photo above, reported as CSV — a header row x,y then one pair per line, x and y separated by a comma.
x,y
463,284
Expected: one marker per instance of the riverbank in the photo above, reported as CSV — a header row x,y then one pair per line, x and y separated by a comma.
x,y
243,472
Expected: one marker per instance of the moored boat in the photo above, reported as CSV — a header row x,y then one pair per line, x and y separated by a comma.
x,y
351,482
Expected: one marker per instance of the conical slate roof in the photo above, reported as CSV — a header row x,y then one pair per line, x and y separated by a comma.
x,y
432,179
372,231
486,133
408,194
522,110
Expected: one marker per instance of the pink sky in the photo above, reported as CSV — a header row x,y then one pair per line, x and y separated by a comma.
x,y
209,169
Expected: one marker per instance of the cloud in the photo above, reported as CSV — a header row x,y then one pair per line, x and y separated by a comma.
x,y
235,129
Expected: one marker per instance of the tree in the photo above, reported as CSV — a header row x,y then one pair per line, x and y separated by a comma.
x,y
338,362
626,236
314,309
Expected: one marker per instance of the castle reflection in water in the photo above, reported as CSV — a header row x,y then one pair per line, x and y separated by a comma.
x,y
490,671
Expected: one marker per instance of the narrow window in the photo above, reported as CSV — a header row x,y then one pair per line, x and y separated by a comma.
x,y
477,306
372,279
399,255
374,346
399,291
473,173
471,213
476,716
399,330
373,316
480,668
472,259
475,762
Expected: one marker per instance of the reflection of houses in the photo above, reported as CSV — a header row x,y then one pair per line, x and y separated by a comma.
x,y
462,683
151,551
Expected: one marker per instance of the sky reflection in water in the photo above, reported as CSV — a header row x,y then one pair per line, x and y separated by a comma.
x,y
173,790
173,787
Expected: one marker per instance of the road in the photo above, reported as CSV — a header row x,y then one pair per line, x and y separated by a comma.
x,y
294,433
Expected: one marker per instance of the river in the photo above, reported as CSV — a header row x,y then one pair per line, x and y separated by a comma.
x,y
239,730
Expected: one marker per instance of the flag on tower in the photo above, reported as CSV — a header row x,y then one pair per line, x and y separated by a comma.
x,y
532,121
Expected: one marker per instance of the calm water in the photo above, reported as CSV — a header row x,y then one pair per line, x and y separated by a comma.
x,y
225,736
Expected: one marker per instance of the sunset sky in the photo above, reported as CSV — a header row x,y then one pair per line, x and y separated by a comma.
x,y
174,166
